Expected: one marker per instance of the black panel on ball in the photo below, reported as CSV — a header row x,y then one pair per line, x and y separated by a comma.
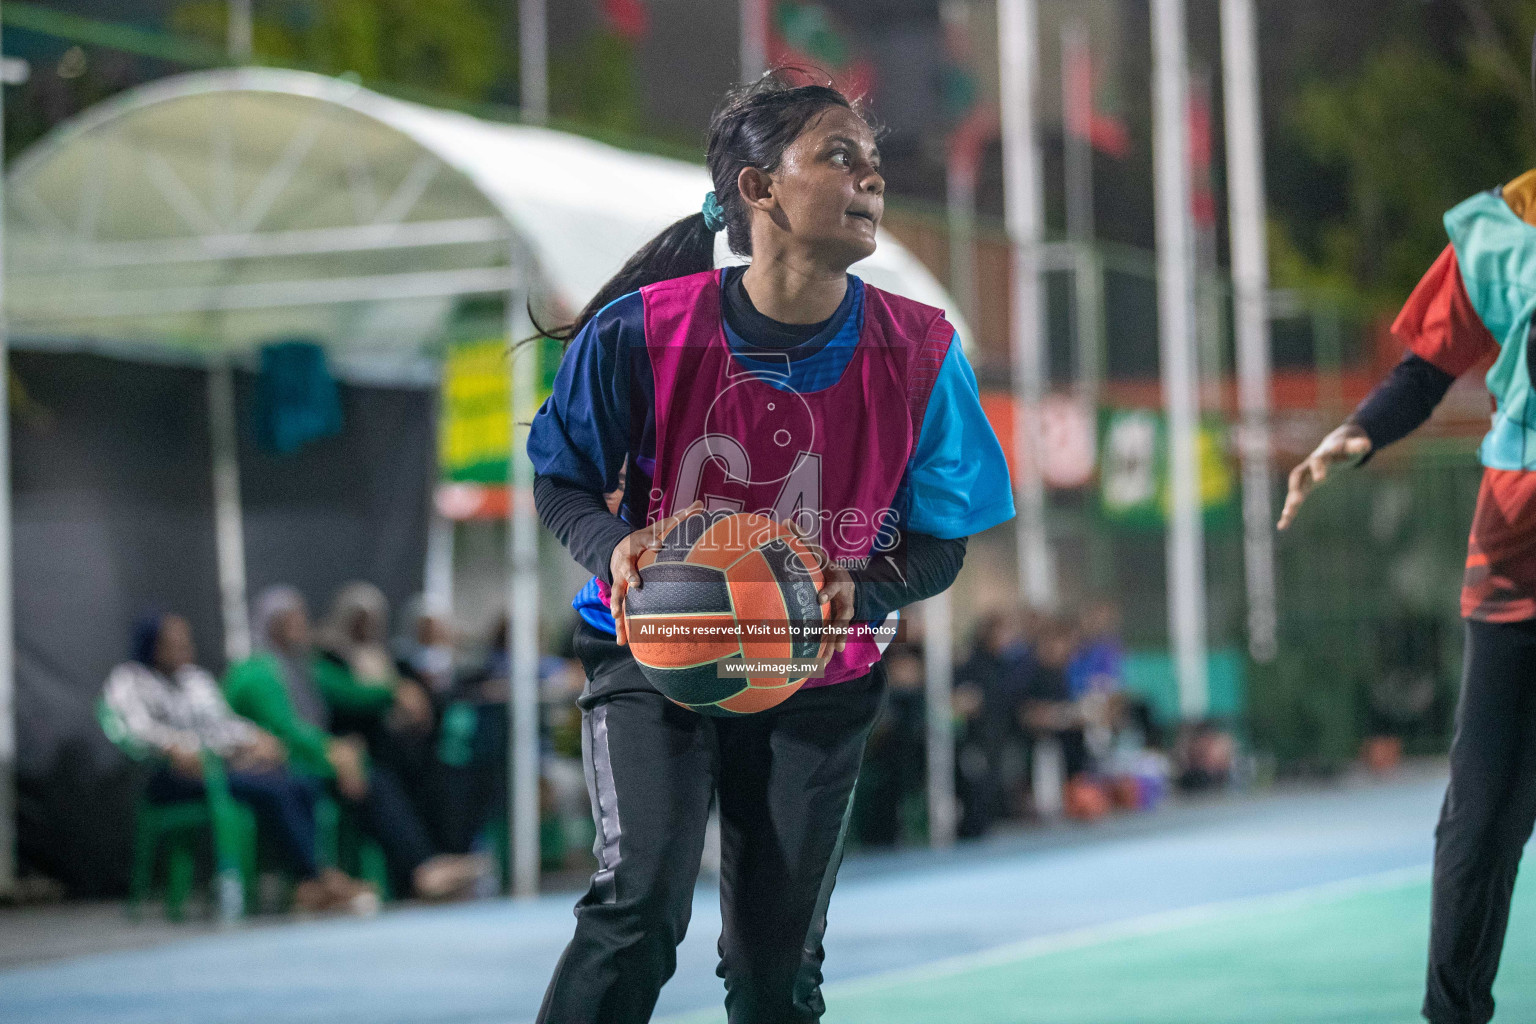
x,y
676,588
799,591
694,686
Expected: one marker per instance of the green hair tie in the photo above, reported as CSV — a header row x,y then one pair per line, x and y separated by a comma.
x,y
714,213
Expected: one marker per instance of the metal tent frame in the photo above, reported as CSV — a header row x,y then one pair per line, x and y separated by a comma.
x,y
197,216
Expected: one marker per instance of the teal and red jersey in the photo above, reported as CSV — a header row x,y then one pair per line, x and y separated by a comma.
x,y
1445,323
873,426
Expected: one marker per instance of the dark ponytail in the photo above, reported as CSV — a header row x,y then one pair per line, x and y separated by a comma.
x,y
751,128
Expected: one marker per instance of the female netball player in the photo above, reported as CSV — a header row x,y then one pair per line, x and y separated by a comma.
x,y
790,388
1472,305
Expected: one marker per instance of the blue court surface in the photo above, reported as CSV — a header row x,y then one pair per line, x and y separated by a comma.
x,y
1299,906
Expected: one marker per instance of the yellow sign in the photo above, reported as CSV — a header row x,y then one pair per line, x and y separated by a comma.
x,y
475,430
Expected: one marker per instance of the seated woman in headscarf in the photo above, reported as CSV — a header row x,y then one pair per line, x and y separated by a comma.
x,y
369,697
165,702
356,673
286,688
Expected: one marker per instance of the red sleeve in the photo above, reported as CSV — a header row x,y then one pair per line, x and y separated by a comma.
x,y
1438,323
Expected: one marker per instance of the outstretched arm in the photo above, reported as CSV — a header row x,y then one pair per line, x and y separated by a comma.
x,y
1396,408
1347,441
1444,337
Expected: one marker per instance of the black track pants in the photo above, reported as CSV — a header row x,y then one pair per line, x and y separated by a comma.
x,y
1486,820
784,780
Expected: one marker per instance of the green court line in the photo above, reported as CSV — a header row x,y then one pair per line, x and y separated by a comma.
x,y
1348,953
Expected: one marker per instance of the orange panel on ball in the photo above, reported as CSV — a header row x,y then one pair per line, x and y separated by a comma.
x,y
758,698
727,540
703,638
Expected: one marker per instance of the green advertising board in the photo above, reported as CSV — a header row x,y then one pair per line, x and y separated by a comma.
x,y
1134,491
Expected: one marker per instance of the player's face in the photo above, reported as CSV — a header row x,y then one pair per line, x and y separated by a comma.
x,y
829,188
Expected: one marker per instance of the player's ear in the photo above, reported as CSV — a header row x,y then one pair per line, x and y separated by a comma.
x,y
756,186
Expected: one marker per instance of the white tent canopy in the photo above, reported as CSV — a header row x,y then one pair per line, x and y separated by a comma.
x,y
214,211
201,216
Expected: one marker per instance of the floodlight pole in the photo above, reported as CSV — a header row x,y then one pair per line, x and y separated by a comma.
x,y
754,39
1176,322
1250,280
1018,59
7,628
1077,157
224,440
437,577
522,612
533,54
960,194
228,513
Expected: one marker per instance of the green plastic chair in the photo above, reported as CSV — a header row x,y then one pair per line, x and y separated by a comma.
x,y
180,828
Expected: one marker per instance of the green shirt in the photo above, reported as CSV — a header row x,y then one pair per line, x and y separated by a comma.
x,y
343,691
254,688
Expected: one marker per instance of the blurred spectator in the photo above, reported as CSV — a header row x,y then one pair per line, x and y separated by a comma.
x,y
1022,627
369,697
423,647
1205,756
1047,708
359,678
895,759
1098,665
287,689
473,750
472,746
170,705
1096,676
565,799
988,689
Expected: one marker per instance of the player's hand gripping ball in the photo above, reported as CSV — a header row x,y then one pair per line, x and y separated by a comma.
x,y
724,586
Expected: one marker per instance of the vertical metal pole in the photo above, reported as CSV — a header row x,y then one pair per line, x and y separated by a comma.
x,y
1077,113
1250,283
523,614
240,31
228,515
754,39
1175,309
1210,363
938,664
960,203
1018,50
1077,116
533,58
1088,294
960,175
7,630
437,581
